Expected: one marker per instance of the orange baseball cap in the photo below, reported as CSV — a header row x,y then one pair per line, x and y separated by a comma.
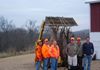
x,y
78,38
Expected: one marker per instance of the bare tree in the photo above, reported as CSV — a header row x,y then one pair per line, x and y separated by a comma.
x,y
6,25
33,30
5,28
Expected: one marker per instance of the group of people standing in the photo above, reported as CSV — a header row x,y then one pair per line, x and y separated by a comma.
x,y
79,55
47,51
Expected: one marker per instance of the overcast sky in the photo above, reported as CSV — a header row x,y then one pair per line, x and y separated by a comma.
x,y
22,10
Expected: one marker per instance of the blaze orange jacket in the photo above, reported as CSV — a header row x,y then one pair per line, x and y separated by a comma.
x,y
38,52
54,51
45,51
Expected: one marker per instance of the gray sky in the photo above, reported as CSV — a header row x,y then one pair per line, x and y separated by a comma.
x,y
22,10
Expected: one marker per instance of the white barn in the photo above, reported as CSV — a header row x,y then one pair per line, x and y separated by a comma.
x,y
95,25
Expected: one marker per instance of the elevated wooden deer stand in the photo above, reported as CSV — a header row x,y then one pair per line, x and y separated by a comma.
x,y
60,27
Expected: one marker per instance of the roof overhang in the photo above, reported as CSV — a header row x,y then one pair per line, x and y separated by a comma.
x,y
94,1
60,21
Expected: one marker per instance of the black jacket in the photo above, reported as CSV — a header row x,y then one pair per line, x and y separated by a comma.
x,y
88,48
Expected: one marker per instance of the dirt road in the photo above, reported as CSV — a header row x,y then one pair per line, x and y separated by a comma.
x,y
25,62
22,62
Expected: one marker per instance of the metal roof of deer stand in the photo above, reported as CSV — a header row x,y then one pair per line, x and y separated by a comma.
x,y
60,21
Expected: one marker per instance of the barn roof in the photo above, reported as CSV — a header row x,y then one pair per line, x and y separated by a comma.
x,y
93,1
60,21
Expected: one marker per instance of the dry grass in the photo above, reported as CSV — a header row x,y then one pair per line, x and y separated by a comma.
x,y
9,54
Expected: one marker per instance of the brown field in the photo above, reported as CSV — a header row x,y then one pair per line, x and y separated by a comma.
x,y
25,62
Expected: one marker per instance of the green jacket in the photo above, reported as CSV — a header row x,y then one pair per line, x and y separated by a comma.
x,y
72,50
79,52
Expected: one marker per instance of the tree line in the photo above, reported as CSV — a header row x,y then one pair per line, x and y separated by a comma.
x,y
14,39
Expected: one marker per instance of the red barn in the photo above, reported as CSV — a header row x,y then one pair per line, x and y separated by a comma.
x,y
95,25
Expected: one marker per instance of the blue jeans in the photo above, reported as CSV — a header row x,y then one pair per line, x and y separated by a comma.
x,y
45,64
38,65
87,62
54,64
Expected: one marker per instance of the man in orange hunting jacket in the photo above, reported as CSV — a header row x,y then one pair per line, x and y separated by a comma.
x,y
46,54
